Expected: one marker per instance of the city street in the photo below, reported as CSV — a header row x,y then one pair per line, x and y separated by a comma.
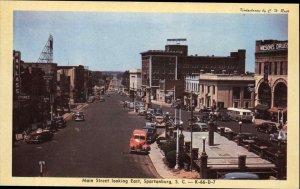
x,y
96,147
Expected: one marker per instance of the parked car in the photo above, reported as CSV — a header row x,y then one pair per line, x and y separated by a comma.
x,y
78,116
158,112
199,126
150,124
150,114
142,111
159,121
37,135
60,121
138,142
267,127
245,137
224,117
274,136
203,117
151,134
51,125
240,176
101,98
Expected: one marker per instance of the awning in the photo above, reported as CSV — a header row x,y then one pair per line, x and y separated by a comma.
x,y
262,107
276,110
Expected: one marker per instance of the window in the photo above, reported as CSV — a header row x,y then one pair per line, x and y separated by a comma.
x,y
259,68
208,89
281,68
270,68
214,89
275,68
202,88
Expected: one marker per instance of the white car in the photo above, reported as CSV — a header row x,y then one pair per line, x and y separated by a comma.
x,y
78,116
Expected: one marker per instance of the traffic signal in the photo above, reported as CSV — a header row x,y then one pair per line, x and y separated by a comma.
x,y
266,72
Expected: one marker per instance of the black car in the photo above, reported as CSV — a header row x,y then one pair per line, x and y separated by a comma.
x,y
60,121
151,134
246,137
266,127
240,176
224,117
199,127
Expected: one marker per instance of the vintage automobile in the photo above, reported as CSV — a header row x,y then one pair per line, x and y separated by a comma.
x,y
199,126
60,122
138,142
150,124
240,176
224,117
267,127
37,135
274,136
159,121
151,134
246,137
101,98
78,116
149,114
142,111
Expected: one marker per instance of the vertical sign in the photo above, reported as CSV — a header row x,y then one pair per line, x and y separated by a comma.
x,y
16,63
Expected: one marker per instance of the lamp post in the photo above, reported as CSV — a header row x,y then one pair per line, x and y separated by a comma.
x,y
240,124
191,130
203,150
279,142
177,107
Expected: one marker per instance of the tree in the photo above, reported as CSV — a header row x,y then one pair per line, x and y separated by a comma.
x,y
125,79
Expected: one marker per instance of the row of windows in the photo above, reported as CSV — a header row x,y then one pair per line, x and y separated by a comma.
x,y
274,68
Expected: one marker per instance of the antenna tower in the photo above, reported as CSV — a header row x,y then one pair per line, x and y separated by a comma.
x,y
47,53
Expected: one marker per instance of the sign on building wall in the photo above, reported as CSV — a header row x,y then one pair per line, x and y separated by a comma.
x,y
274,46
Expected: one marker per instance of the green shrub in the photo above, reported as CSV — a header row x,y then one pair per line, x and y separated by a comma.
x,y
168,146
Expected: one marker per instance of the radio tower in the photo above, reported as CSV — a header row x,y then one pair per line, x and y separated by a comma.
x,y
47,53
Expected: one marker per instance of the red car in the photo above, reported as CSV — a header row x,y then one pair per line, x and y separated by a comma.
x,y
138,142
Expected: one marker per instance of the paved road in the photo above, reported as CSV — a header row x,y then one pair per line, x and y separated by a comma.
x,y
97,147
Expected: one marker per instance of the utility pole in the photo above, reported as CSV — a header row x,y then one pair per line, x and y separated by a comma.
x,y
191,130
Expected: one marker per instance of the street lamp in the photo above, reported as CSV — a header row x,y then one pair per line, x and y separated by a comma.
x,y
279,141
240,124
177,107
203,139
191,129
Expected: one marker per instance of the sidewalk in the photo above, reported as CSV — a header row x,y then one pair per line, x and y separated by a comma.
x,y
156,156
222,154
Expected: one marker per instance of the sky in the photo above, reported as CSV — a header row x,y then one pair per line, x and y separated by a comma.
x,y
105,41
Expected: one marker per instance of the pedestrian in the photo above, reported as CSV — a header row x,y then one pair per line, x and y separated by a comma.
x,y
124,105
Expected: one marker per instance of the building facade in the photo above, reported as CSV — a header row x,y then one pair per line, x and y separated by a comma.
x,y
226,90
191,90
271,71
135,82
174,63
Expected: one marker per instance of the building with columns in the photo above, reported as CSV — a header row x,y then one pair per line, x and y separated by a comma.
x,y
135,81
226,90
271,70
191,90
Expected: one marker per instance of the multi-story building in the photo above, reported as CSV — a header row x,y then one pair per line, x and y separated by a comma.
x,y
226,90
77,82
135,81
174,63
271,70
191,90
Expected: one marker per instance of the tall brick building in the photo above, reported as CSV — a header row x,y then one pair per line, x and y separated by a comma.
x,y
174,63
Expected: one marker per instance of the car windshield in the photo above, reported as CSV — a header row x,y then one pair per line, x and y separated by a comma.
x,y
140,137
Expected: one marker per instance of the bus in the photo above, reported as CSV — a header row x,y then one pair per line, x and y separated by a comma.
x,y
239,114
